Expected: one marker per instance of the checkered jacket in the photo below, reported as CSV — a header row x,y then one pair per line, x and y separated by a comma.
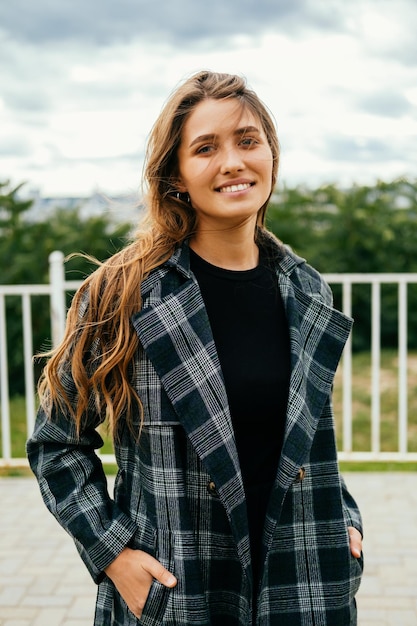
x,y
179,493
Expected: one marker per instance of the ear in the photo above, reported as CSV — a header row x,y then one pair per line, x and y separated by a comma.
x,y
178,185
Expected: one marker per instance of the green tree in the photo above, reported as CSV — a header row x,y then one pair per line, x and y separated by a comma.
x,y
358,229
24,250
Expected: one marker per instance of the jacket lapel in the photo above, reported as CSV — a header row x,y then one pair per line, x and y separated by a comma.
x,y
176,335
318,334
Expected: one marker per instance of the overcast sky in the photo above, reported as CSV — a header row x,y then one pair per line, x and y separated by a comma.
x,y
82,82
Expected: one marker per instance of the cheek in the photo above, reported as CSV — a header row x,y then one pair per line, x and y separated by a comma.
x,y
264,162
271,172
200,173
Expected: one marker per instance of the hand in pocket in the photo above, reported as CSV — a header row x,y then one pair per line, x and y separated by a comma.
x,y
133,572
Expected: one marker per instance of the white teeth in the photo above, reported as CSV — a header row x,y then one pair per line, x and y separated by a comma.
x,y
232,188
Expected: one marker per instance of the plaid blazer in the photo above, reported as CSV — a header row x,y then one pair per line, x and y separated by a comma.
x,y
179,493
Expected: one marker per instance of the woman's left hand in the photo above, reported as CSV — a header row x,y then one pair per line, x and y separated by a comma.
x,y
355,542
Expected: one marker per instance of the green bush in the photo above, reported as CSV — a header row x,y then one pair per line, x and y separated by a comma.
x,y
356,230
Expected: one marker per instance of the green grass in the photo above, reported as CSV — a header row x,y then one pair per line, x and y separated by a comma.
x,y
18,426
361,399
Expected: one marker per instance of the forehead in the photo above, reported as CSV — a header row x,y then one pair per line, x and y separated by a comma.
x,y
219,117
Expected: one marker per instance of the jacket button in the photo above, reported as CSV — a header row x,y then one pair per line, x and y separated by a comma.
x,y
300,474
211,488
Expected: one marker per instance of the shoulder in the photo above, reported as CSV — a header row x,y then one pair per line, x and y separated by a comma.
x,y
170,274
296,268
311,281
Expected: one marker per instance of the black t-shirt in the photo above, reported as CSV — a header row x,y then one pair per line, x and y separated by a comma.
x,y
250,331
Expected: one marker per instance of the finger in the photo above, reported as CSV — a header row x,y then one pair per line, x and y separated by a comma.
x,y
159,572
355,540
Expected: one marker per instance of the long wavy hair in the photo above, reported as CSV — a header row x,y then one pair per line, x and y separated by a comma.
x,y
99,344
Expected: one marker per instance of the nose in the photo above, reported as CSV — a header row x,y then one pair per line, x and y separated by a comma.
x,y
232,161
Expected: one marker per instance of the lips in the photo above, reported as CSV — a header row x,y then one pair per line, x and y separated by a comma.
x,y
234,188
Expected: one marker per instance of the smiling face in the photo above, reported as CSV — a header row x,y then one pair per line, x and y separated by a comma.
x,y
225,163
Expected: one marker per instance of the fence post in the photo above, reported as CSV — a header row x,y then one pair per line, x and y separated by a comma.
x,y
58,304
402,368
4,385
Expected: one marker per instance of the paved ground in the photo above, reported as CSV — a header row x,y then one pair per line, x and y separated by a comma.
x,y
44,583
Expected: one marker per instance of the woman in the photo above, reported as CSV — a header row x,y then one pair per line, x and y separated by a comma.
x,y
211,349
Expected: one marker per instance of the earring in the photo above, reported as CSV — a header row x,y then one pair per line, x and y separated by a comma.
x,y
183,196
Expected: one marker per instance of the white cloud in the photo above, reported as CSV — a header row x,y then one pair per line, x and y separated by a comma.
x,y
75,110
95,134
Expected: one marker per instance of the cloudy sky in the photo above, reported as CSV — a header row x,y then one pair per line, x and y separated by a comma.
x,y
82,81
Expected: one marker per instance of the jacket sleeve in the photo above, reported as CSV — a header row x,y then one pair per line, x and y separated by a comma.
x,y
74,488
72,479
351,509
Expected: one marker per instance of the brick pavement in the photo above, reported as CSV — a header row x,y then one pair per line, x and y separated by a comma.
x,y
44,583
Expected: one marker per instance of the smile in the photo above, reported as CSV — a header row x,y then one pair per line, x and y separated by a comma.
x,y
234,188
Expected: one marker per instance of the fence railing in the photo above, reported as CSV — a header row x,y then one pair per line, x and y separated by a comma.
x,y
58,287
402,453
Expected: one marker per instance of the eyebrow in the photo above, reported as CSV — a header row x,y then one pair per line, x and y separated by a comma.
x,y
237,132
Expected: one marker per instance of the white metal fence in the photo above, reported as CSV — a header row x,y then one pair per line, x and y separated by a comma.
x,y
402,453
58,287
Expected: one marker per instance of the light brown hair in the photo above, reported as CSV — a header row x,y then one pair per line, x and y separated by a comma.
x,y
99,343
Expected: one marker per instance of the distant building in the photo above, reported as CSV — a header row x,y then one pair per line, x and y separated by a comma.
x,y
119,208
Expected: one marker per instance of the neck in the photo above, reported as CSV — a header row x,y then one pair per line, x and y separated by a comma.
x,y
230,249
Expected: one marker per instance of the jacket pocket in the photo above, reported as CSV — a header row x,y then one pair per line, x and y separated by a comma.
x,y
356,571
156,602
144,539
